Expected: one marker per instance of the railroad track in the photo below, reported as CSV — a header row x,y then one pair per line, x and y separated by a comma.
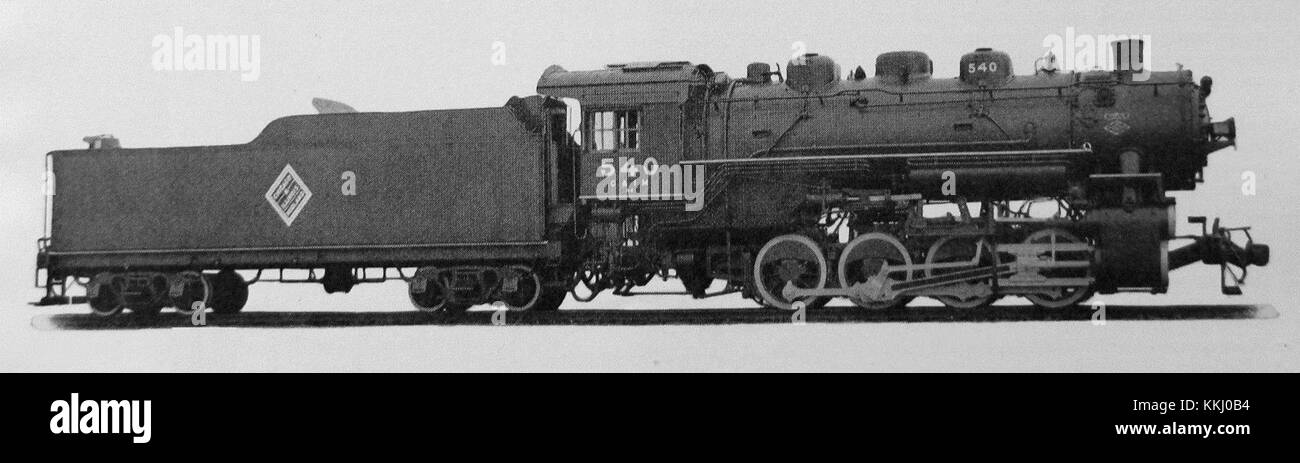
x,y
596,317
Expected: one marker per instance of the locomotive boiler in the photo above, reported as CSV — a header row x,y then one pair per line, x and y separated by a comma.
x,y
790,186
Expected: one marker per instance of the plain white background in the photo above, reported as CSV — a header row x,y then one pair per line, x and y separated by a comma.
x,y
71,69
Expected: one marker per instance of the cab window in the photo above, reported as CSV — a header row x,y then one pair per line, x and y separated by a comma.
x,y
614,130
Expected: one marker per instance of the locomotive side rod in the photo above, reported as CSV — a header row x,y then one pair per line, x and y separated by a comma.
x,y
879,288
1019,277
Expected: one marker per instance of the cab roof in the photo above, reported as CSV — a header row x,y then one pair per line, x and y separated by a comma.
x,y
626,83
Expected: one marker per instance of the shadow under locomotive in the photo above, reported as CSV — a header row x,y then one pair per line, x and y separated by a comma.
x,y
598,317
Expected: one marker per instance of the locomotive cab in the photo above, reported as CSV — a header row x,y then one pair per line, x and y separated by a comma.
x,y
633,114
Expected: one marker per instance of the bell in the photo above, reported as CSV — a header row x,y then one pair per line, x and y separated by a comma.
x,y
1047,63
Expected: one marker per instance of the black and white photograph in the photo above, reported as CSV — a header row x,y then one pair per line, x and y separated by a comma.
x,y
608,186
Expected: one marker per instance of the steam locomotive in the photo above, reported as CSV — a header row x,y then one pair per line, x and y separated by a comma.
x,y
791,187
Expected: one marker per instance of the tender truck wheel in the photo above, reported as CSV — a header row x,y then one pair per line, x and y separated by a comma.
x,y
229,292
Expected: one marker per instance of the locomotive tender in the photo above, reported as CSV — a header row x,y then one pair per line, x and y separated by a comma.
x,y
791,187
